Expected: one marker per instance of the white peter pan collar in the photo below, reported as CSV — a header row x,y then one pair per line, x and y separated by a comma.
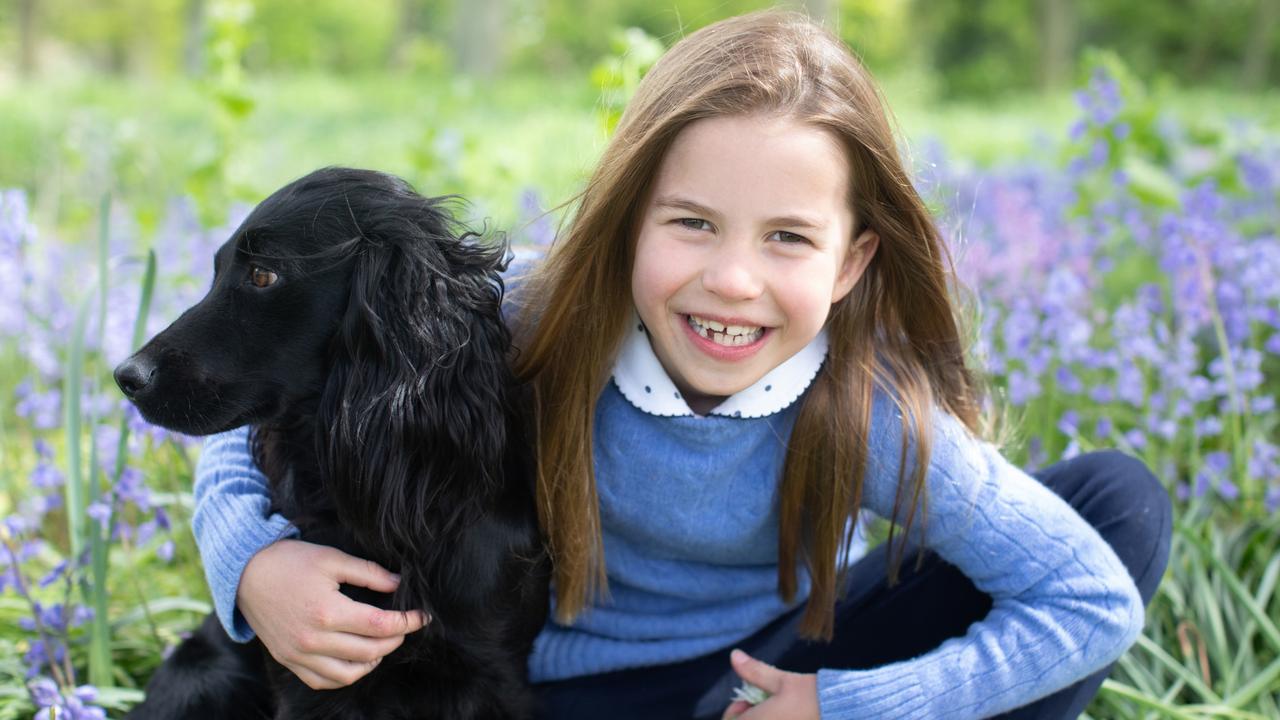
x,y
642,380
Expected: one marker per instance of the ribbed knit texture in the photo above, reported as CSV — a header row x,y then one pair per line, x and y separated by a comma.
x,y
231,521
689,508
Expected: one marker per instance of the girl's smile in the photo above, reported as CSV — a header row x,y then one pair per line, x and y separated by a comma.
x,y
745,242
727,340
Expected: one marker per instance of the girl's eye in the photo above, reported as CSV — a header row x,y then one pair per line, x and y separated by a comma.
x,y
262,277
788,238
695,223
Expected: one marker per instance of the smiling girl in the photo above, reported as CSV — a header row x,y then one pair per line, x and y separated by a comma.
x,y
742,347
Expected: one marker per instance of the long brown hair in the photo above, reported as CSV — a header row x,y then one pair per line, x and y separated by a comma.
x,y
897,328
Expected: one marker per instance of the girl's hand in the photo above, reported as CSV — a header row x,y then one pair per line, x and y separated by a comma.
x,y
289,595
792,696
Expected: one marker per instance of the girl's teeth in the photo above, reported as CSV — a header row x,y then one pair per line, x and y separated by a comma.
x,y
730,336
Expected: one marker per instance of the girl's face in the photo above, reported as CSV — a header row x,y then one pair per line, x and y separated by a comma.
x,y
743,247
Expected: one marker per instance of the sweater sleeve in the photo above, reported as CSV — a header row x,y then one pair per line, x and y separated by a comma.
x,y
1064,606
232,521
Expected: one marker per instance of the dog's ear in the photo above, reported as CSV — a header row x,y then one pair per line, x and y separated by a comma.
x,y
415,408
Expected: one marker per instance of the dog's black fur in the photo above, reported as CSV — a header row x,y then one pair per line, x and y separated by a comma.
x,y
374,373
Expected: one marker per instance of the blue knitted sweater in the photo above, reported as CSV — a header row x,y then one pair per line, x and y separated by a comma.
x,y
689,509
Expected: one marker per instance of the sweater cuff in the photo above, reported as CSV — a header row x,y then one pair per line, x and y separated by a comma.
x,y
884,692
224,566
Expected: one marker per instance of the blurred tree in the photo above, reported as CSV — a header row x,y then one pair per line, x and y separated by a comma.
x,y
478,36
143,36
333,35
975,47
879,31
193,38
26,37
981,48
1057,46
1262,40
411,23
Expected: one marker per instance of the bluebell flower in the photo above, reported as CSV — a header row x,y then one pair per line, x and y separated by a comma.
x,y
1022,387
1103,427
44,692
1217,462
100,511
1227,490
1136,438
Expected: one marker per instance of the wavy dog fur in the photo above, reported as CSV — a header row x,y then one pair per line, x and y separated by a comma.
x,y
374,372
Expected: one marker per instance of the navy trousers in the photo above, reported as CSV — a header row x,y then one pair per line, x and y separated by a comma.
x,y
876,624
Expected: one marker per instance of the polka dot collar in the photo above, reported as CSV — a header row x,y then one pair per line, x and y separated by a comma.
x,y
642,380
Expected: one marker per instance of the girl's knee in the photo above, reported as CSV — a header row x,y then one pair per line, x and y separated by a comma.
x,y
1129,506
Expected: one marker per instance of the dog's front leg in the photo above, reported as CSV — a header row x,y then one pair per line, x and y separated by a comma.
x,y
209,677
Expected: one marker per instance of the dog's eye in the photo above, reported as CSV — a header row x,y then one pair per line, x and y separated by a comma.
x,y
262,277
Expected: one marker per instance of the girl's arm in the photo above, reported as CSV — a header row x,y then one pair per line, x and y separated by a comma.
x,y
232,521
1064,605
288,590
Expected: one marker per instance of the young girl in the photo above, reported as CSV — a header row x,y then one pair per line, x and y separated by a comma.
x,y
748,314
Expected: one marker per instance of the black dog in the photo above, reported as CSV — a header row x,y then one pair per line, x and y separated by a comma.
x,y
360,334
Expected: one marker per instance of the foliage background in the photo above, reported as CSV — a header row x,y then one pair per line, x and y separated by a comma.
x,y
1107,172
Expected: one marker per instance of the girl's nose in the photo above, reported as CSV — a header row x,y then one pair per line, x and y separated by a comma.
x,y
733,274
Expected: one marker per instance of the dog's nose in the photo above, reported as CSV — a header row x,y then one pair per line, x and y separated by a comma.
x,y
134,375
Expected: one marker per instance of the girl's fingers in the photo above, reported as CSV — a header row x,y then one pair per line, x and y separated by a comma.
x,y
355,648
356,571
328,673
736,708
360,619
762,675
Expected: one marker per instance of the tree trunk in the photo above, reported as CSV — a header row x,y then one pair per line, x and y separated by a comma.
x,y
193,40
478,40
1257,54
26,38
1057,43
410,26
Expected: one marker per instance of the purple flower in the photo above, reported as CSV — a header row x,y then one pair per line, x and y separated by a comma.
x,y
1136,438
1202,484
1103,427
54,575
1022,387
100,511
43,409
46,475
1217,462
146,531
44,692
1227,490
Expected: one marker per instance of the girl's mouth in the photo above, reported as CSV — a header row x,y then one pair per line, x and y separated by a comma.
x,y
725,342
724,335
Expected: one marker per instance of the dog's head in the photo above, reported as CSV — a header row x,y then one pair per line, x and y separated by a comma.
x,y
344,282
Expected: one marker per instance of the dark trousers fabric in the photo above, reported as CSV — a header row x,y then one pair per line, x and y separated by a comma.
x,y
876,624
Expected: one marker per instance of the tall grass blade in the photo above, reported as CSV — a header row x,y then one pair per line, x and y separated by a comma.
x,y
1240,593
101,672
71,384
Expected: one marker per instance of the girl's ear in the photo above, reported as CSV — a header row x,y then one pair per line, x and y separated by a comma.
x,y
856,259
